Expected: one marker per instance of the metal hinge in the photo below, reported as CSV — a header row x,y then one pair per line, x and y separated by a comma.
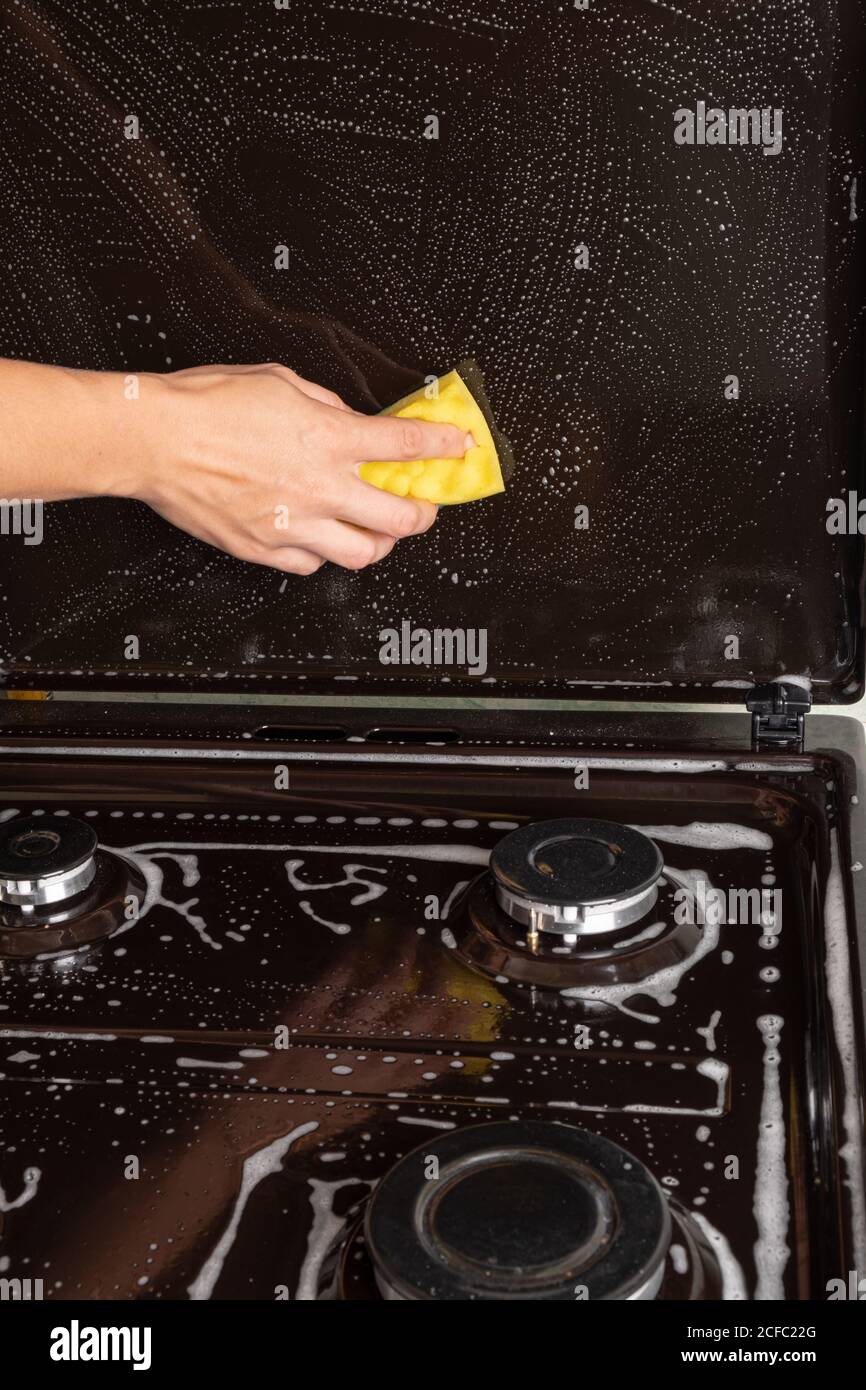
x,y
778,715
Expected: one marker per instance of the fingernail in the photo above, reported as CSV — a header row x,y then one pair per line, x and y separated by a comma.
x,y
468,443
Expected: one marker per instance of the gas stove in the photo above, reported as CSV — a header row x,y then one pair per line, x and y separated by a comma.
x,y
412,1028
328,978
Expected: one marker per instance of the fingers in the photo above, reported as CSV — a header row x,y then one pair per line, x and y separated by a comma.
x,y
350,546
376,510
384,437
286,453
290,559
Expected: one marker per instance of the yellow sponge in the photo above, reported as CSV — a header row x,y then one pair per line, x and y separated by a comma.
x,y
444,481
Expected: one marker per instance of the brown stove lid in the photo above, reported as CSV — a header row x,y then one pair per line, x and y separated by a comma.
x,y
670,334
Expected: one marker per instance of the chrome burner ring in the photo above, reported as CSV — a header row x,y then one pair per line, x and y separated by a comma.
x,y
574,878
45,859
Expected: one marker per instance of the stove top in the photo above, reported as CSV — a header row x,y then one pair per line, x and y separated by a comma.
x,y
433,1025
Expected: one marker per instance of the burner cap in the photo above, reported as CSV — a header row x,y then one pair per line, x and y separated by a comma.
x,y
518,1211
575,876
44,859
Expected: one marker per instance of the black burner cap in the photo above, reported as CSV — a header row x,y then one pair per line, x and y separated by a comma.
x,y
517,1211
569,862
37,846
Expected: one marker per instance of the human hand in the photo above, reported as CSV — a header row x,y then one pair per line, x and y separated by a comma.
x,y
263,464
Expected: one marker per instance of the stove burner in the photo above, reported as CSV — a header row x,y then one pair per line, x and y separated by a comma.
x,y
559,906
691,1271
575,877
494,945
58,890
518,1211
44,859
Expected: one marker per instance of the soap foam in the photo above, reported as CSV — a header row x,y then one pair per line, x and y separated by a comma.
x,y
733,1279
661,984
257,1166
837,970
770,1201
325,1230
703,835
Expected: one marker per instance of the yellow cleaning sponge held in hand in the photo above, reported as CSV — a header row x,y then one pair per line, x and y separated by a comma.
x,y
443,481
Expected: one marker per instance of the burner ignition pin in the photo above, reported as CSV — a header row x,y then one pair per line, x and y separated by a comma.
x,y
536,923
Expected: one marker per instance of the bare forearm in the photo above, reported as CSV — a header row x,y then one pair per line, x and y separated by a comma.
x,y
67,433
252,459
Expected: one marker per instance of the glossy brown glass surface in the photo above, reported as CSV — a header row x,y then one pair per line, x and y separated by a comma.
x,y
304,128
311,910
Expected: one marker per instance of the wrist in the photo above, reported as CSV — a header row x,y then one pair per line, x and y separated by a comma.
x,y
129,429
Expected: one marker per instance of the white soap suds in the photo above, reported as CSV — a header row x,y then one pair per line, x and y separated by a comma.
x,y
662,983
770,1200
209,1066
370,890
704,835
647,934
455,891
144,856
733,1279
429,1124
323,1233
154,878
837,971
257,1166
56,1036
338,928
709,1033
679,1259
28,1190
455,854
711,1067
